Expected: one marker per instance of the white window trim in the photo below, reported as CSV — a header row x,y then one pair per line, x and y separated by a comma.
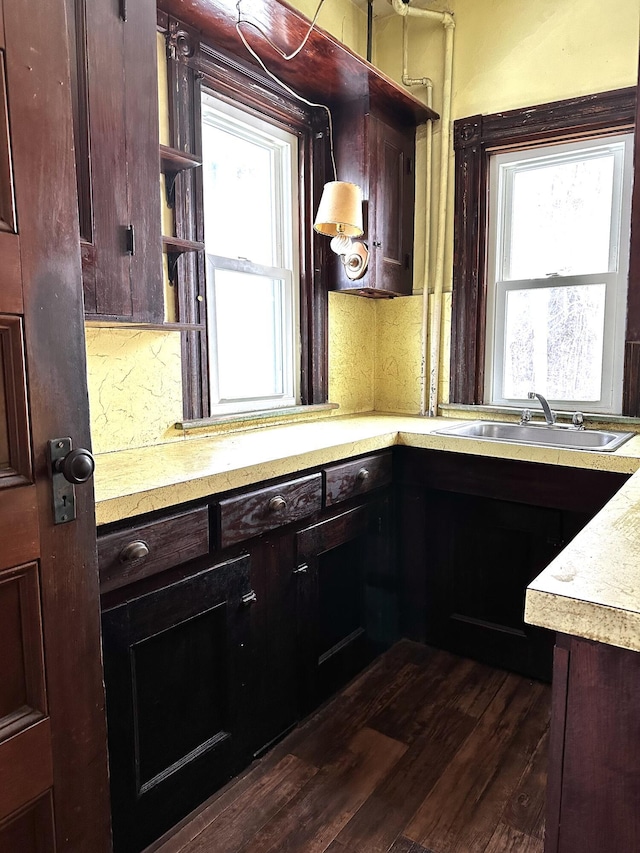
x,y
615,279
286,244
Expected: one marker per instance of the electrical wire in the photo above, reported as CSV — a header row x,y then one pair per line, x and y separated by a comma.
x,y
288,57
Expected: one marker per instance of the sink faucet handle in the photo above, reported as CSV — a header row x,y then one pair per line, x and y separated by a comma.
x,y
525,417
578,420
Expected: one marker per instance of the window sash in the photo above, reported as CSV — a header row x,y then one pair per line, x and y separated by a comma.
x,y
613,344
504,167
286,357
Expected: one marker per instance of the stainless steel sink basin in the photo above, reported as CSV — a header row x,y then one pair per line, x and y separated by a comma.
x,y
541,434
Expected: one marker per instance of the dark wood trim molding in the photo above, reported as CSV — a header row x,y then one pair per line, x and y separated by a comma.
x,y
631,389
192,66
475,138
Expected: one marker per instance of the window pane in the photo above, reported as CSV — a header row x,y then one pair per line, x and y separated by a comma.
x,y
554,342
249,335
561,218
238,197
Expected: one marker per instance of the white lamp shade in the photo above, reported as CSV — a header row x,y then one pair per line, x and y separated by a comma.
x,y
340,210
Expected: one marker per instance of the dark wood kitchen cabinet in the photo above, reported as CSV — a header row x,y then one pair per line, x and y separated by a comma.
x,y
180,676
378,154
594,777
474,532
225,623
114,87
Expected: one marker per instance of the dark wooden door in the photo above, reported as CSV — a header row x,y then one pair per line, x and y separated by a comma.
x,y
334,637
391,202
53,776
180,696
114,86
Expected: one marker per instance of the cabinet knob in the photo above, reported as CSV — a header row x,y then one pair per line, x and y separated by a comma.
x,y
362,475
276,504
249,598
134,551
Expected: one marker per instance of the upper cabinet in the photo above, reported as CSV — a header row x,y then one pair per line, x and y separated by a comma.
x,y
378,154
114,81
374,121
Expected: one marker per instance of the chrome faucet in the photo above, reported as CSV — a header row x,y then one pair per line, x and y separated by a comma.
x,y
549,416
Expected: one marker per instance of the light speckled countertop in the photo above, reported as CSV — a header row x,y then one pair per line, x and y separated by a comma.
x,y
592,589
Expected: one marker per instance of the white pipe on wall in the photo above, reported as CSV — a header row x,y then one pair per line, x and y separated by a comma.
x,y
427,82
446,19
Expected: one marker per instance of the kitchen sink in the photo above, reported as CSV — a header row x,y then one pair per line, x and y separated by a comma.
x,y
558,435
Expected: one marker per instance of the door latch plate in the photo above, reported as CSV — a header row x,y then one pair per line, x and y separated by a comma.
x,y
64,493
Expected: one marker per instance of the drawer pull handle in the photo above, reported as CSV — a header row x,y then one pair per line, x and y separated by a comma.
x,y
362,475
134,551
249,598
302,569
276,504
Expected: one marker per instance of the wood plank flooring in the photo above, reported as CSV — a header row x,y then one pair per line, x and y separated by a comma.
x,y
423,753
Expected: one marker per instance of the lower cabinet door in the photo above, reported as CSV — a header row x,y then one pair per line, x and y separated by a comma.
x,y
334,636
178,685
483,554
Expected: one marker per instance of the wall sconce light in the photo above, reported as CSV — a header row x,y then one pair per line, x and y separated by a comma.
x,y
339,216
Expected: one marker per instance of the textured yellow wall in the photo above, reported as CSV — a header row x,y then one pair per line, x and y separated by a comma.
x,y
341,18
352,332
135,387
508,54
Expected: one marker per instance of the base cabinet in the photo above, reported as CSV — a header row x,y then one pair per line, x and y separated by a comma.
x,y
593,793
223,625
474,532
179,675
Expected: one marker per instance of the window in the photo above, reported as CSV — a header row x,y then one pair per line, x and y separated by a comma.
x,y
253,305
250,194
559,220
504,167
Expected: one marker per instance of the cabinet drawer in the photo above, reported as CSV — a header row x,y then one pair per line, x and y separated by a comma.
x,y
147,549
356,478
265,509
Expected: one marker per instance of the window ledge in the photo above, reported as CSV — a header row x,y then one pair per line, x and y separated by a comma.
x,y
463,410
250,420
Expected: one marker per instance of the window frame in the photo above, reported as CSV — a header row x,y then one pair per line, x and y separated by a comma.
x,y
194,65
476,138
614,278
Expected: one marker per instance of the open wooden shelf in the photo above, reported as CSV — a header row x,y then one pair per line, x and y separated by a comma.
x,y
172,163
173,247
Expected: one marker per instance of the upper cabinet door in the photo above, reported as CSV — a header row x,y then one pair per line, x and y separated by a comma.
x,y
391,201
114,85
379,157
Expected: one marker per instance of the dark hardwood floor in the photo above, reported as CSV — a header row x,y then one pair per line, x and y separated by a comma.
x,y
423,753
